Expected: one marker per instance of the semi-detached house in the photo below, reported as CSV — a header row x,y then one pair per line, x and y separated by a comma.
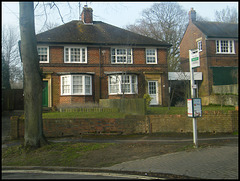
x,y
218,50
84,61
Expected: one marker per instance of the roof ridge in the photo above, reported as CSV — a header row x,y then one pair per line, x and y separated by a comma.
x,y
214,22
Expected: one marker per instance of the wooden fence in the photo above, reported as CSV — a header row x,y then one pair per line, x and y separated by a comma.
x,y
12,99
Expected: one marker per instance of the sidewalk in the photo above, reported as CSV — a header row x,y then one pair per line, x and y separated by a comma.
x,y
208,163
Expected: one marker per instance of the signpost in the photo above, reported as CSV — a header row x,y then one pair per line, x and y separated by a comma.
x,y
194,105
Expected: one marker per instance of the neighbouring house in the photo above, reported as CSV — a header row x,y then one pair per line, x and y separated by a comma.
x,y
84,61
218,49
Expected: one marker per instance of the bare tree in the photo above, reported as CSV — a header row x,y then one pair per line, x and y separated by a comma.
x,y
10,55
33,136
228,15
165,21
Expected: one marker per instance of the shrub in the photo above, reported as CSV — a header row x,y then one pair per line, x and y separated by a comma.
x,y
147,98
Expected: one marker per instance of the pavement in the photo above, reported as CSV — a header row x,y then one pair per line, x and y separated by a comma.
x,y
219,162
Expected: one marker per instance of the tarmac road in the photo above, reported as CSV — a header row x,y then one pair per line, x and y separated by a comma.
x,y
39,174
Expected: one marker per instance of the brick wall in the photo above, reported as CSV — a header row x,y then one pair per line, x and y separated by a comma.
x,y
99,61
208,57
212,121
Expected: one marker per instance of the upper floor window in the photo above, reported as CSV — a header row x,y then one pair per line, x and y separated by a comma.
x,y
119,84
75,55
76,85
151,56
121,56
199,45
43,53
225,46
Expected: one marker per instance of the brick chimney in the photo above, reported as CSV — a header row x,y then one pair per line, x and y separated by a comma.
x,y
192,15
86,15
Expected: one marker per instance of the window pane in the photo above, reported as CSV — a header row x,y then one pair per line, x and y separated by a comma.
x,y
151,55
114,84
66,85
42,54
77,85
87,85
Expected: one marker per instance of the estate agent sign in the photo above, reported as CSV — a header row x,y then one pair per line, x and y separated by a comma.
x,y
194,58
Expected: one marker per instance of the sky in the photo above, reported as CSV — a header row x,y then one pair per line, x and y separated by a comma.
x,y
120,13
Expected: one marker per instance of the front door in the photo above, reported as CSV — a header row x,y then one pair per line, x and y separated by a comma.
x,y
45,94
153,92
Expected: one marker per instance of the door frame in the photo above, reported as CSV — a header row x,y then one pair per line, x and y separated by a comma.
x,y
157,91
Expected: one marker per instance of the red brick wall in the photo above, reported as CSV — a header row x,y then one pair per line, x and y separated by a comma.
x,y
208,57
212,121
139,65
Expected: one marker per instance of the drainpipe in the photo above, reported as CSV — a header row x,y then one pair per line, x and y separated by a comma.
x,y
100,84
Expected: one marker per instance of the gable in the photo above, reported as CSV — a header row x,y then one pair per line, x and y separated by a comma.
x,y
100,33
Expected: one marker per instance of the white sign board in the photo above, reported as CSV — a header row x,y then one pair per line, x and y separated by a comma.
x,y
194,58
194,107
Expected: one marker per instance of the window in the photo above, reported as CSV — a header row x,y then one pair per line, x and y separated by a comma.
x,y
151,56
43,53
76,85
75,55
225,46
199,45
119,84
121,55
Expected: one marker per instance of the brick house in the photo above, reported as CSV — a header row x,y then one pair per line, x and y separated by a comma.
x,y
84,61
218,50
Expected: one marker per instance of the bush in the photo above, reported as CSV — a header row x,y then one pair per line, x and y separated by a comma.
x,y
147,98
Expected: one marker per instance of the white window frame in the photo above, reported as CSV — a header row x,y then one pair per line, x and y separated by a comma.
x,y
199,45
67,49
71,84
115,55
38,47
151,56
133,86
230,49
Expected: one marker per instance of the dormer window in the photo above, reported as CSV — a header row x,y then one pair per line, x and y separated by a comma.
x,y
225,46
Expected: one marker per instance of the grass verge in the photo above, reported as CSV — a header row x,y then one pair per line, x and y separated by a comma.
x,y
54,154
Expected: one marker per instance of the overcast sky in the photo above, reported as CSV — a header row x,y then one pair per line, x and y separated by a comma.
x,y
115,13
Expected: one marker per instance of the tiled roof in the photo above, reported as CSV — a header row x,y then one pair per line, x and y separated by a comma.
x,y
99,33
217,29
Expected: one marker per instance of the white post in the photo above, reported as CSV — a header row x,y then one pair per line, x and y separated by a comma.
x,y
193,96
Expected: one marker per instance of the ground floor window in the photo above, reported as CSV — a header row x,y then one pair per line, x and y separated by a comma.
x,y
76,85
122,84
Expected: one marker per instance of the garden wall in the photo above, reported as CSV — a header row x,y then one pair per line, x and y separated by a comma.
x,y
212,121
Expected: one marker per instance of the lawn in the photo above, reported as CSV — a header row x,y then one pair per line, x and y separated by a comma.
x,y
50,115
150,110
183,110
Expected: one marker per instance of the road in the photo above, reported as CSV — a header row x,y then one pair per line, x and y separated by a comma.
x,y
37,174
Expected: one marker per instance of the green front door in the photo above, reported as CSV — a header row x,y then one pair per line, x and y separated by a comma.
x,y
45,94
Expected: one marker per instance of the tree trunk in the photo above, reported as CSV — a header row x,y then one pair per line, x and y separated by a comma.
x,y
33,136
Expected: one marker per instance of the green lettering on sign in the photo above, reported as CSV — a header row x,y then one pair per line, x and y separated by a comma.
x,y
194,59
